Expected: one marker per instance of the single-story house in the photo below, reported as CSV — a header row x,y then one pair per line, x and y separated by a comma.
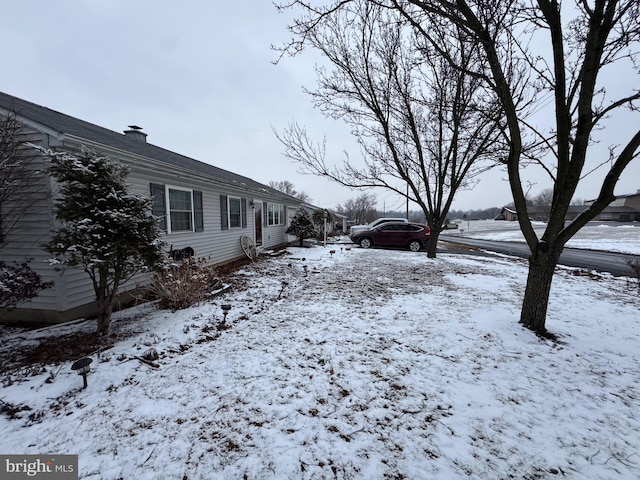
x,y
200,205
339,223
625,208
508,214
535,213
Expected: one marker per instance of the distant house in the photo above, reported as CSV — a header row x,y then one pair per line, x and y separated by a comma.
x,y
201,206
535,213
507,214
340,222
625,208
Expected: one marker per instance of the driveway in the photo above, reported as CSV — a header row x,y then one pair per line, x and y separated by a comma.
x,y
611,262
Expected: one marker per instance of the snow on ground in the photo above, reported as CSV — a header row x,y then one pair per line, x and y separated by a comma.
x,y
362,364
609,236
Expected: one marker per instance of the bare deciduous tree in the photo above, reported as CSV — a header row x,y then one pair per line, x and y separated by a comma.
x,y
424,126
360,210
544,201
584,40
581,62
285,186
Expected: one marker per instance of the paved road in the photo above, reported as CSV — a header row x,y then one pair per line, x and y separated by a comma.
x,y
614,263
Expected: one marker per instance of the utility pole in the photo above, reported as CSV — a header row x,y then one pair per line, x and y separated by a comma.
x,y
407,200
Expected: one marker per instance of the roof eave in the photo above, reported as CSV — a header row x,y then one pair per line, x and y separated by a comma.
x,y
171,168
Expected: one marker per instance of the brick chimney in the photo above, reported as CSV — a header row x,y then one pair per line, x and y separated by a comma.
x,y
136,133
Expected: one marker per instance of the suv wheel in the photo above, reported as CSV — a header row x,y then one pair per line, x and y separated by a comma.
x,y
415,245
365,242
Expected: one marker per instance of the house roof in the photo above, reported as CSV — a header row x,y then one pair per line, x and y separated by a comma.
x,y
627,195
68,125
577,208
619,209
530,209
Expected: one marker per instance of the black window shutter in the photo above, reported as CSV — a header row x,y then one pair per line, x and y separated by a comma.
x,y
224,215
243,211
198,212
159,205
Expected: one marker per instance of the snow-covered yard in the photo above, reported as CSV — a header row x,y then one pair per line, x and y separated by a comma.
x,y
362,364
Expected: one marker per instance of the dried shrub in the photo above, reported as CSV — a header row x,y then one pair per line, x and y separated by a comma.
x,y
12,410
634,263
181,286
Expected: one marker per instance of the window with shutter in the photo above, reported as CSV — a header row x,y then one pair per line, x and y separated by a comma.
x,y
180,210
177,209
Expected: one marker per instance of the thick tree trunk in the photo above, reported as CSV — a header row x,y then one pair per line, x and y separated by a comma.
x,y
536,295
433,244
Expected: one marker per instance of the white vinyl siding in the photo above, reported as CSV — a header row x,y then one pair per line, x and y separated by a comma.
x,y
202,203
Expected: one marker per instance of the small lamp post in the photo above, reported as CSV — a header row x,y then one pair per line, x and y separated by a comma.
x,y
82,367
225,311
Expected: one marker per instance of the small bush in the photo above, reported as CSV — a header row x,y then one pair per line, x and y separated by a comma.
x,y
301,226
19,283
181,286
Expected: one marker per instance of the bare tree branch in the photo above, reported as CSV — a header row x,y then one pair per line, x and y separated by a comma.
x,y
533,50
425,127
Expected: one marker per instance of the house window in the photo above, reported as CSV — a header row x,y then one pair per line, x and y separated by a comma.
x,y
233,212
183,212
180,210
275,214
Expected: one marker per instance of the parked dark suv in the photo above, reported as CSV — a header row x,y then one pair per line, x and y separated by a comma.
x,y
413,236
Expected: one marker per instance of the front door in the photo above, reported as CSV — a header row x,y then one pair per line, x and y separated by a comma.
x,y
257,222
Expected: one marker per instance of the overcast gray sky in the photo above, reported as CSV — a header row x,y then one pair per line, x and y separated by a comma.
x,y
198,77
